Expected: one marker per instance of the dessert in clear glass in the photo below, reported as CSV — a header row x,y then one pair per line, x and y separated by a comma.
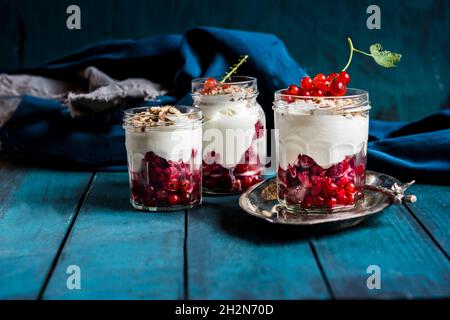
x,y
233,133
164,157
321,147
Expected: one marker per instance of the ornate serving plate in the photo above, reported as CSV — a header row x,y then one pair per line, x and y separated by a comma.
x,y
380,191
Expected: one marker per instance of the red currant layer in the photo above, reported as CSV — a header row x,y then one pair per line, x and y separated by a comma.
x,y
307,185
164,183
217,179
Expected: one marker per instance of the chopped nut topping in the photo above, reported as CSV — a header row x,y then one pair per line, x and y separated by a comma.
x,y
227,89
160,115
345,106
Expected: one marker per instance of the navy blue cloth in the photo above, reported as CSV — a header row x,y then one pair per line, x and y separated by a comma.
x,y
43,128
418,150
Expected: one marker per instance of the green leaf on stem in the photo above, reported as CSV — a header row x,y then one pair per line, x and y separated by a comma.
x,y
384,58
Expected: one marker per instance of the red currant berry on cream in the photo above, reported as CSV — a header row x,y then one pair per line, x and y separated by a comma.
x,y
337,88
325,86
306,83
293,90
286,97
305,93
344,77
210,83
318,79
332,76
316,92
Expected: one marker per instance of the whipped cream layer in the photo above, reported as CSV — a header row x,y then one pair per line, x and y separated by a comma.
x,y
228,128
324,136
170,143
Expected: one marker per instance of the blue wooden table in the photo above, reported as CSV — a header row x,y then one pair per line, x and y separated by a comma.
x,y
50,220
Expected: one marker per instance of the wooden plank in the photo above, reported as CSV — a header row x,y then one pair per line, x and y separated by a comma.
x,y
36,208
122,253
433,211
411,264
232,255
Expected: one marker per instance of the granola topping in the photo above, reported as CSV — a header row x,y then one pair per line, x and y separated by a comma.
x,y
226,89
156,116
348,106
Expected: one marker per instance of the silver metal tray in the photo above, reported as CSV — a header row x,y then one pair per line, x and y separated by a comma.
x,y
254,201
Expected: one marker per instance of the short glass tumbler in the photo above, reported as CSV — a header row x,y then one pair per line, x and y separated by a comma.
x,y
164,159
321,145
234,140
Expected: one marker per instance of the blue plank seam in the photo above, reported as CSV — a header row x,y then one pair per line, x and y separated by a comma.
x,y
430,235
185,257
322,270
66,237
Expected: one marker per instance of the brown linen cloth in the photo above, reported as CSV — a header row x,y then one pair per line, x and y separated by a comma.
x,y
102,93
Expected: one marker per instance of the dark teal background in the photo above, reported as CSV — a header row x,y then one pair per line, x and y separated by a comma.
x,y
315,32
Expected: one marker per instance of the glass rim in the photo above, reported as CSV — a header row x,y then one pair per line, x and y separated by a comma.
x,y
195,115
237,80
356,93
355,100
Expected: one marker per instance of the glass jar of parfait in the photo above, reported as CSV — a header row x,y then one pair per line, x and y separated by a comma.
x,y
234,140
164,156
321,147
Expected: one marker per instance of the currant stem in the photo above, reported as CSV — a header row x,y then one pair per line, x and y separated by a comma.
x,y
350,43
365,53
234,69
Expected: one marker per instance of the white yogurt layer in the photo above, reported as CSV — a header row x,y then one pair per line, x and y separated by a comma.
x,y
170,143
228,129
325,137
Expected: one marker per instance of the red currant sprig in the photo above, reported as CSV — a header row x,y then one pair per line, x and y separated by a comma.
x,y
335,84
211,83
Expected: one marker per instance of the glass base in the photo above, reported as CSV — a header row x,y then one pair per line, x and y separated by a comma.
x,y
142,207
317,210
215,193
